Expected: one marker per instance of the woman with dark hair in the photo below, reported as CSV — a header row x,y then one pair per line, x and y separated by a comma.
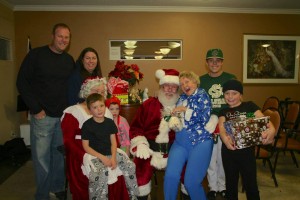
x,y
87,64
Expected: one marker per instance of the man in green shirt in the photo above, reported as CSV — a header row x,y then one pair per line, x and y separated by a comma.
x,y
212,83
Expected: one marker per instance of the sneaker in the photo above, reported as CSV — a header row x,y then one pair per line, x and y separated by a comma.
x,y
223,194
211,195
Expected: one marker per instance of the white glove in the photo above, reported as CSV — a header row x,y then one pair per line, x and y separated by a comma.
x,y
143,151
175,124
212,123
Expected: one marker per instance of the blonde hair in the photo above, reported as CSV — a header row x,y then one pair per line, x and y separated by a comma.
x,y
190,75
89,83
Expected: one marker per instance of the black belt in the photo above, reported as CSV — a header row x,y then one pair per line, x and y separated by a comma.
x,y
159,147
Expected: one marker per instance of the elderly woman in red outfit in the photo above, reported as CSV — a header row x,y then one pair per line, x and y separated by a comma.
x,y
72,120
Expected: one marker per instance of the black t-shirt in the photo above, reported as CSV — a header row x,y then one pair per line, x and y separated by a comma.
x,y
98,134
245,108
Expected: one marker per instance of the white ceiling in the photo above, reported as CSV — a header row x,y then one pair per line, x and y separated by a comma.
x,y
233,6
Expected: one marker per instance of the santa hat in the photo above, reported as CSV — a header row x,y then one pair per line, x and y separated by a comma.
x,y
111,100
167,76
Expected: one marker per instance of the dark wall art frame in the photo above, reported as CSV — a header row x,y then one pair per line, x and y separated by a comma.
x,y
270,59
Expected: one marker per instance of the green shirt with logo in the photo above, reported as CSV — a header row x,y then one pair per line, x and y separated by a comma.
x,y
214,87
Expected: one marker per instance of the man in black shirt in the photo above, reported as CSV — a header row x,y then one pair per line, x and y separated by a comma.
x,y
42,83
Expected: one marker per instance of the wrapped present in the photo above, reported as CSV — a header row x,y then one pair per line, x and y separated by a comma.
x,y
118,88
123,98
246,132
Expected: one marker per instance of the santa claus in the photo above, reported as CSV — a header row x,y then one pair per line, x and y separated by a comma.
x,y
152,130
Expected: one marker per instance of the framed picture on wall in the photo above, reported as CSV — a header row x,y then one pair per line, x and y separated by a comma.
x,y
270,59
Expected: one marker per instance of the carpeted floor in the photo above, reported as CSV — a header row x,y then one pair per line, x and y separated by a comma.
x,y
21,185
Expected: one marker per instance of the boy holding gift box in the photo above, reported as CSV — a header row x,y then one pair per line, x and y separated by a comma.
x,y
240,161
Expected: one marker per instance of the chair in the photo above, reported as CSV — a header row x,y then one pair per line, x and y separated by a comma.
x,y
265,152
287,138
271,102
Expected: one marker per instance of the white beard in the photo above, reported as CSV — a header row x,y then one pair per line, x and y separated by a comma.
x,y
165,126
165,101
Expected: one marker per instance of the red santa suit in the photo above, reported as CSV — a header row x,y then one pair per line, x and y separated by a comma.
x,y
72,120
151,137
144,130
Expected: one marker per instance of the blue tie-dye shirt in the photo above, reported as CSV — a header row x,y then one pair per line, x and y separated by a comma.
x,y
197,115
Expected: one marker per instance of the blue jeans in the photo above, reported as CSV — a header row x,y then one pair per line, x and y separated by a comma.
x,y
48,162
197,158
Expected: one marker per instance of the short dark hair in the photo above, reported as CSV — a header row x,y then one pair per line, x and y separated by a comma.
x,y
60,25
83,72
92,98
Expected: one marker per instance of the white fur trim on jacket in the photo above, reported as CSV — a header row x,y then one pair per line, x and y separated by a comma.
x,y
163,129
145,189
158,161
183,190
136,141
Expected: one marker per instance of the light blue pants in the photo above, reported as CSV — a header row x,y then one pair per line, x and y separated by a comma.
x,y
48,162
197,158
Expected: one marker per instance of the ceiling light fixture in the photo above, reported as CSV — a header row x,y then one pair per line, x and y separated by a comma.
x,y
165,50
129,57
128,51
130,42
174,45
130,47
158,57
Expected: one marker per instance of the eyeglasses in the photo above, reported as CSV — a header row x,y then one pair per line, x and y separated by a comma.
x,y
169,86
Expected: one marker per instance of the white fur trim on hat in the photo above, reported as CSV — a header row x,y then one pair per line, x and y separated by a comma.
x,y
160,73
169,79
163,78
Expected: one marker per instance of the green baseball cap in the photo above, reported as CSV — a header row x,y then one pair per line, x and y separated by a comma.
x,y
214,53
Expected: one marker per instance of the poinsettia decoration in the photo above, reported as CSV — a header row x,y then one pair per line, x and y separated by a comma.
x,y
130,73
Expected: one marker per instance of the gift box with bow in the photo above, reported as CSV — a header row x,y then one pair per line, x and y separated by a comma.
x,y
118,88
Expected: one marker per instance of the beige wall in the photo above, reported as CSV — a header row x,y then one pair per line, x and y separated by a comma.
x,y
199,32
8,117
